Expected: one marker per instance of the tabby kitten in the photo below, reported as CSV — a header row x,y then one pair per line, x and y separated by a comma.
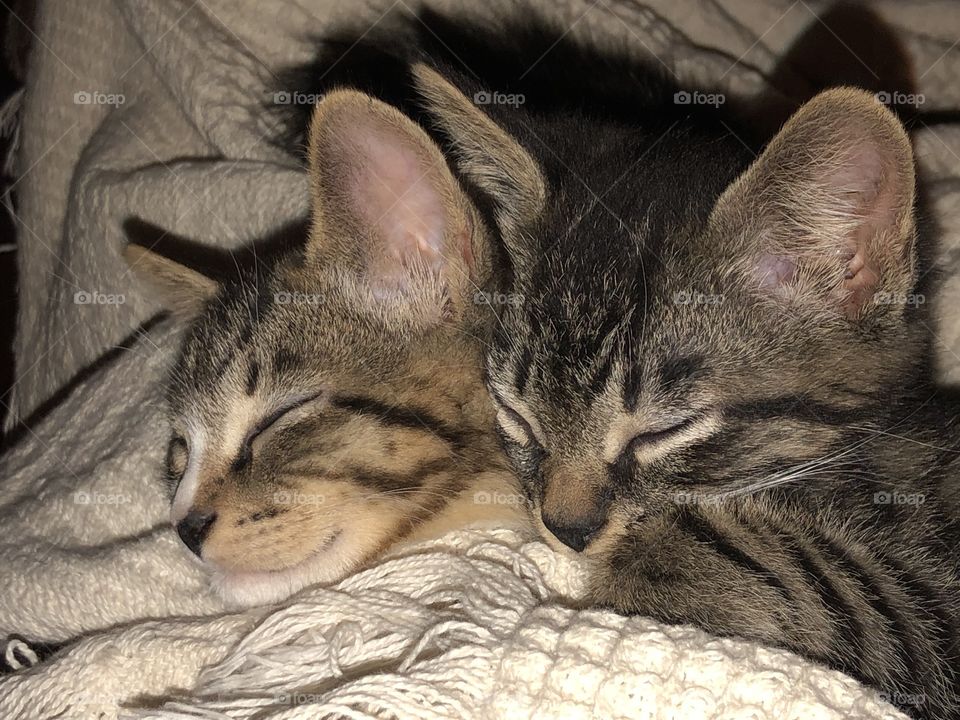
x,y
331,404
713,385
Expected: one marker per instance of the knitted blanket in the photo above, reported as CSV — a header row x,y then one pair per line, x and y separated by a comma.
x,y
135,107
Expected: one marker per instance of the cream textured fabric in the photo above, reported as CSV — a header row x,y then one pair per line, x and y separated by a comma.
x,y
474,627
470,626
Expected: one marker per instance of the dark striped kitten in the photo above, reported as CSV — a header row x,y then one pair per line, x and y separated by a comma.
x,y
713,381
329,403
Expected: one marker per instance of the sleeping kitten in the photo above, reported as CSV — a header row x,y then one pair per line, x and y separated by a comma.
x,y
715,387
330,405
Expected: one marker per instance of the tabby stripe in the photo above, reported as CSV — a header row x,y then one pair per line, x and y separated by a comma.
x,y
851,630
909,655
632,384
703,531
712,451
406,417
602,373
522,371
929,600
800,406
385,481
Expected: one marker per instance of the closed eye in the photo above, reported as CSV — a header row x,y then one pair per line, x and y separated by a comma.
x,y
649,439
178,453
267,423
648,446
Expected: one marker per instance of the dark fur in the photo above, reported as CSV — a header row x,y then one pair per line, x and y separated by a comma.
x,y
813,562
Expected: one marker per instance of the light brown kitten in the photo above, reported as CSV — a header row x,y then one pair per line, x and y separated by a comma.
x,y
332,405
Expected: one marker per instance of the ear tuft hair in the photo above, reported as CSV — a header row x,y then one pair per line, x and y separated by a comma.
x,y
180,289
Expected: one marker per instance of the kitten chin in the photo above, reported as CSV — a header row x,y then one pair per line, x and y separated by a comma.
x,y
492,501
332,562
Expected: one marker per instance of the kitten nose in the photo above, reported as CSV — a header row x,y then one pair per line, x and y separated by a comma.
x,y
194,528
574,535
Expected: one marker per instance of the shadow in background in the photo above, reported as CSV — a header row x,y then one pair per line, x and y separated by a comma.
x,y
15,17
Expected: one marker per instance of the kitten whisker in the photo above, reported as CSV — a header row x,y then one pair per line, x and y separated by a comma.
x,y
877,431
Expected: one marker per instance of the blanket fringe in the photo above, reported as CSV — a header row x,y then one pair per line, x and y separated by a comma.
x,y
18,654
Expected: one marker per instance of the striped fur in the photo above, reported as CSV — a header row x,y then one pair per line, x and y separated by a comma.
x,y
703,389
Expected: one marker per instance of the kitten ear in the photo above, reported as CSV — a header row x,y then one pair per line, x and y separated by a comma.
x,y
387,207
486,154
826,212
180,289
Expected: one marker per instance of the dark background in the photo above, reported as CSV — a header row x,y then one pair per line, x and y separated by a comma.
x,y
15,19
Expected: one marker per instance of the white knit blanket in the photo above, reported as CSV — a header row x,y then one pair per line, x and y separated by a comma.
x,y
478,624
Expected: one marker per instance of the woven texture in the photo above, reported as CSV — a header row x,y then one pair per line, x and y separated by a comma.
x,y
475,625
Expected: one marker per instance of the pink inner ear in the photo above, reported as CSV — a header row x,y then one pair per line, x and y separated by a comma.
x,y
845,215
394,192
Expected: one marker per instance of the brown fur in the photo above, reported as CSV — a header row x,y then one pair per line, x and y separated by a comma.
x,y
708,385
396,440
